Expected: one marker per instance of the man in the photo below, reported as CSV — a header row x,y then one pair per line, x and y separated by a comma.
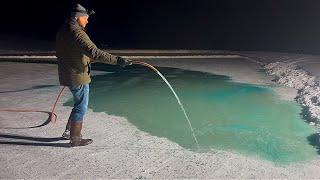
x,y
75,51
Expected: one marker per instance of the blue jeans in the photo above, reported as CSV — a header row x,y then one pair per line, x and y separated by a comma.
x,y
81,99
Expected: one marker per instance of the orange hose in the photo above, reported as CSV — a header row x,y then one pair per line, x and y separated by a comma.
x,y
52,115
54,107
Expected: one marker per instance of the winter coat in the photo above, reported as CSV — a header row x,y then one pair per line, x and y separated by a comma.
x,y
75,51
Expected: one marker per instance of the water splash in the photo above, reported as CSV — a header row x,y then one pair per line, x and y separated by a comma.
x,y
176,96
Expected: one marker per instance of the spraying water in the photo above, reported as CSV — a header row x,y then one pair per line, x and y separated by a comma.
x,y
175,94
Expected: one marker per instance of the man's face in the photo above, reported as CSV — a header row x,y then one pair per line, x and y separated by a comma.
x,y
83,21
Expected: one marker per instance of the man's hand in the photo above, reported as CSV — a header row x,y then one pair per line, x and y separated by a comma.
x,y
123,62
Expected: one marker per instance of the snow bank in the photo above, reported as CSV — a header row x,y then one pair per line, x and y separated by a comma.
x,y
291,75
295,71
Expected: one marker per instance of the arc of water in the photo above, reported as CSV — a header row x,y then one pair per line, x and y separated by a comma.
x,y
174,93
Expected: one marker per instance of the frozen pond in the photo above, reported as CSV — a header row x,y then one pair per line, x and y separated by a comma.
x,y
226,115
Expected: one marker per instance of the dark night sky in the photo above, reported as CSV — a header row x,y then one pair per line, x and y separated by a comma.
x,y
271,25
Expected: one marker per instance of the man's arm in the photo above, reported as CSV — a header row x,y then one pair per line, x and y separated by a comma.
x,y
90,49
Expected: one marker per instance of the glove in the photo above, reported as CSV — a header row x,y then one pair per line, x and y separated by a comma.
x,y
123,62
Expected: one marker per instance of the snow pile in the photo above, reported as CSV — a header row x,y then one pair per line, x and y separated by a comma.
x,y
291,75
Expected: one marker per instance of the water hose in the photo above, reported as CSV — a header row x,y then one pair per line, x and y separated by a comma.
x,y
52,115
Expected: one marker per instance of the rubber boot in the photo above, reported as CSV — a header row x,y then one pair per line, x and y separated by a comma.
x,y
76,139
66,133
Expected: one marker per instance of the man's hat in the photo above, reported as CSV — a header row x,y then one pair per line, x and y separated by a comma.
x,y
79,10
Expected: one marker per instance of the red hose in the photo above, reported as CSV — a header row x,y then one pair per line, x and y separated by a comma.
x,y
52,115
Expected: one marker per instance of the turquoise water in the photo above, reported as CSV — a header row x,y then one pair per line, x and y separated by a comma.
x,y
225,115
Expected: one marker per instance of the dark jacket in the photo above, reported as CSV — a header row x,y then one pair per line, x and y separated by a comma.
x,y
75,51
